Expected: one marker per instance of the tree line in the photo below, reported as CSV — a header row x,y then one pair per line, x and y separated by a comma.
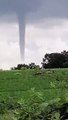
x,y
25,66
55,60
50,60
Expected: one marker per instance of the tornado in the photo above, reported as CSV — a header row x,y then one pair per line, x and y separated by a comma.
x,y
21,23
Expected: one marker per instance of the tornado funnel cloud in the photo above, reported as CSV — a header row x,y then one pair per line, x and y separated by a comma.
x,y
21,20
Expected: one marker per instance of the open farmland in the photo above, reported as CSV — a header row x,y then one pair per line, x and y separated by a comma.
x,y
34,94
17,84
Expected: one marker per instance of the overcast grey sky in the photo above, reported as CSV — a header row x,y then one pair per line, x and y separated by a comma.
x,y
46,29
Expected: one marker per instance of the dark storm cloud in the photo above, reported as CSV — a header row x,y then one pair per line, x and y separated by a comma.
x,y
50,9
35,10
11,6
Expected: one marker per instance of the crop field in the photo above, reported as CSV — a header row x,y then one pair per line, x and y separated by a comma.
x,y
17,84
34,94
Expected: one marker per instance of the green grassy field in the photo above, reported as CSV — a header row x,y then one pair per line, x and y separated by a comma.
x,y
34,94
17,84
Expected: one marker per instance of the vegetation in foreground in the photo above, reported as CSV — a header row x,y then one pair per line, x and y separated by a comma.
x,y
35,108
34,94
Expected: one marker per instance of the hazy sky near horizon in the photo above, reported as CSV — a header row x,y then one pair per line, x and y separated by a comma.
x,y
46,30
